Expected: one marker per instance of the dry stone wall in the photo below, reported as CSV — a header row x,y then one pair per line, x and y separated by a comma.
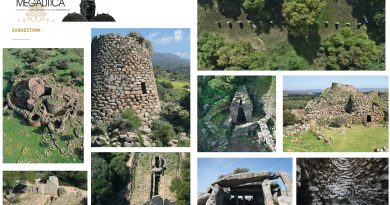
x,y
122,78
342,181
339,100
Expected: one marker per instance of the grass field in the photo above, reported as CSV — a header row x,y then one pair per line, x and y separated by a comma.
x,y
22,141
356,139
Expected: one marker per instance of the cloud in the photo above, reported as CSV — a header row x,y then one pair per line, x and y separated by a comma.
x,y
178,35
152,35
182,54
164,40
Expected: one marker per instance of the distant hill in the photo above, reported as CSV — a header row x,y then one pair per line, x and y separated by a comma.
x,y
171,62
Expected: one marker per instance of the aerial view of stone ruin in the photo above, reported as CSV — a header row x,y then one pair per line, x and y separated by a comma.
x,y
341,117
236,113
244,186
342,181
43,105
140,178
291,34
140,97
44,188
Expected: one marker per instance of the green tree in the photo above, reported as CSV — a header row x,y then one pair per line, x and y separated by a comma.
x,y
253,5
208,45
301,15
235,54
181,186
120,172
352,50
101,183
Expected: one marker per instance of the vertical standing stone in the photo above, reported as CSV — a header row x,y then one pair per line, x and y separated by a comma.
x,y
266,185
216,197
287,182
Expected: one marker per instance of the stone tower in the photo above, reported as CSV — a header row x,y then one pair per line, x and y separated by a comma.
x,y
123,78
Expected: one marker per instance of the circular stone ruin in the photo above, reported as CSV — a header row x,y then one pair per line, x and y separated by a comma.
x,y
123,78
44,102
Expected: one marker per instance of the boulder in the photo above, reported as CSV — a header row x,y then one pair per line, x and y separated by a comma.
x,y
244,178
202,198
216,196
156,200
52,186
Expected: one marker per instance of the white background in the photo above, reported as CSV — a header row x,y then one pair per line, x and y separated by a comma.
x,y
141,14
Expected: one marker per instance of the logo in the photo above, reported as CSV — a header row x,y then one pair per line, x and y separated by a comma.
x,y
42,3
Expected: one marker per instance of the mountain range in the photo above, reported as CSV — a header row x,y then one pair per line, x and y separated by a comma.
x,y
171,62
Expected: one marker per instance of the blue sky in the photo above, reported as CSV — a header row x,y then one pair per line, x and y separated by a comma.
x,y
291,83
164,40
209,169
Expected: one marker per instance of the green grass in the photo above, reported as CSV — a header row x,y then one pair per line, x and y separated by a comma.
x,y
17,134
356,139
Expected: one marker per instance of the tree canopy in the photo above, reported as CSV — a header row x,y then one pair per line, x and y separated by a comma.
x,y
253,5
351,50
301,15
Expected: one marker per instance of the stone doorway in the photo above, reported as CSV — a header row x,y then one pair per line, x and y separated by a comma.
x,y
241,119
368,118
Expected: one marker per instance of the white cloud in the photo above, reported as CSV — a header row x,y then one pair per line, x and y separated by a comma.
x,y
182,54
178,35
152,35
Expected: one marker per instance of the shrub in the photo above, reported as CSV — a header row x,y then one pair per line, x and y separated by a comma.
x,y
162,131
99,129
339,121
75,74
289,118
240,170
128,120
66,79
18,70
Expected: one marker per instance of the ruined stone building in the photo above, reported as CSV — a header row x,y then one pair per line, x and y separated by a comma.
x,y
49,192
44,102
123,78
243,123
342,181
342,100
249,189
241,107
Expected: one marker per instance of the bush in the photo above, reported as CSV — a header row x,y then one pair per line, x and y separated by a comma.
x,y
128,120
66,79
289,118
8,112
162,131
99,129
75,74
339,121
240,170
18,70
